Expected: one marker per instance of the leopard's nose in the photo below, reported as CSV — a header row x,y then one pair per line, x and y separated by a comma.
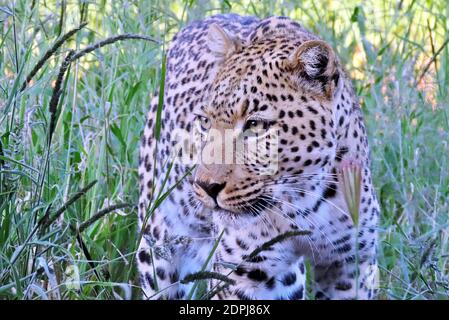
x,y
212,189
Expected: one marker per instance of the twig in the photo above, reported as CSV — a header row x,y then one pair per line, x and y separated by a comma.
x,y
2,163
53,105
209,295
110,40
61,17
432,45
280,238
86,253
204,275
47,220
49,53
426,68
72,56
102,213
427,254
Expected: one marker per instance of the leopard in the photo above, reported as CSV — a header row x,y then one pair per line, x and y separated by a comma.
x,y
255,228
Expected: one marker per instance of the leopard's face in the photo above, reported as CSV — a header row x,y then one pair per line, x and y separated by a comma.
x,y
271,119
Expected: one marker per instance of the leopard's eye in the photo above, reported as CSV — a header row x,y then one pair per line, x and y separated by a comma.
x,y
204,122
255,125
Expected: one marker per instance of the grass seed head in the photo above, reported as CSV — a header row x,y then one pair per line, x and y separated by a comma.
x,y
350,178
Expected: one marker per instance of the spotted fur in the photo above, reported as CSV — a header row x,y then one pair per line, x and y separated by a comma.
x,y
228,68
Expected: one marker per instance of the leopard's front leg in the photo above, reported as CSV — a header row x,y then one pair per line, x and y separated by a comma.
x,y
277,273
257,284
162,272
340,280
155,273
168,252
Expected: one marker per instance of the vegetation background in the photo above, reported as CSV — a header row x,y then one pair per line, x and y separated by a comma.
x,y
64,236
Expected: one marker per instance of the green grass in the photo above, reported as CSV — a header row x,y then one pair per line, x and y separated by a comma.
x,y
99,117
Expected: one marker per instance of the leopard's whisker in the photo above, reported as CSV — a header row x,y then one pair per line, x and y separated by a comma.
x,y
284,216
309,219
314,194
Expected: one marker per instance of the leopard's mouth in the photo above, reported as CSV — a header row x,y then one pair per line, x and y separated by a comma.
x,y
228,206
220,211
232,219
253,207
243,216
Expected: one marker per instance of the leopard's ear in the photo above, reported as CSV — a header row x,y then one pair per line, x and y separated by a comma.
x,y
314,67
222,44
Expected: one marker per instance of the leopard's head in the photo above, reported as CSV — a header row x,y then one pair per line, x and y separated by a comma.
x,y
268,124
